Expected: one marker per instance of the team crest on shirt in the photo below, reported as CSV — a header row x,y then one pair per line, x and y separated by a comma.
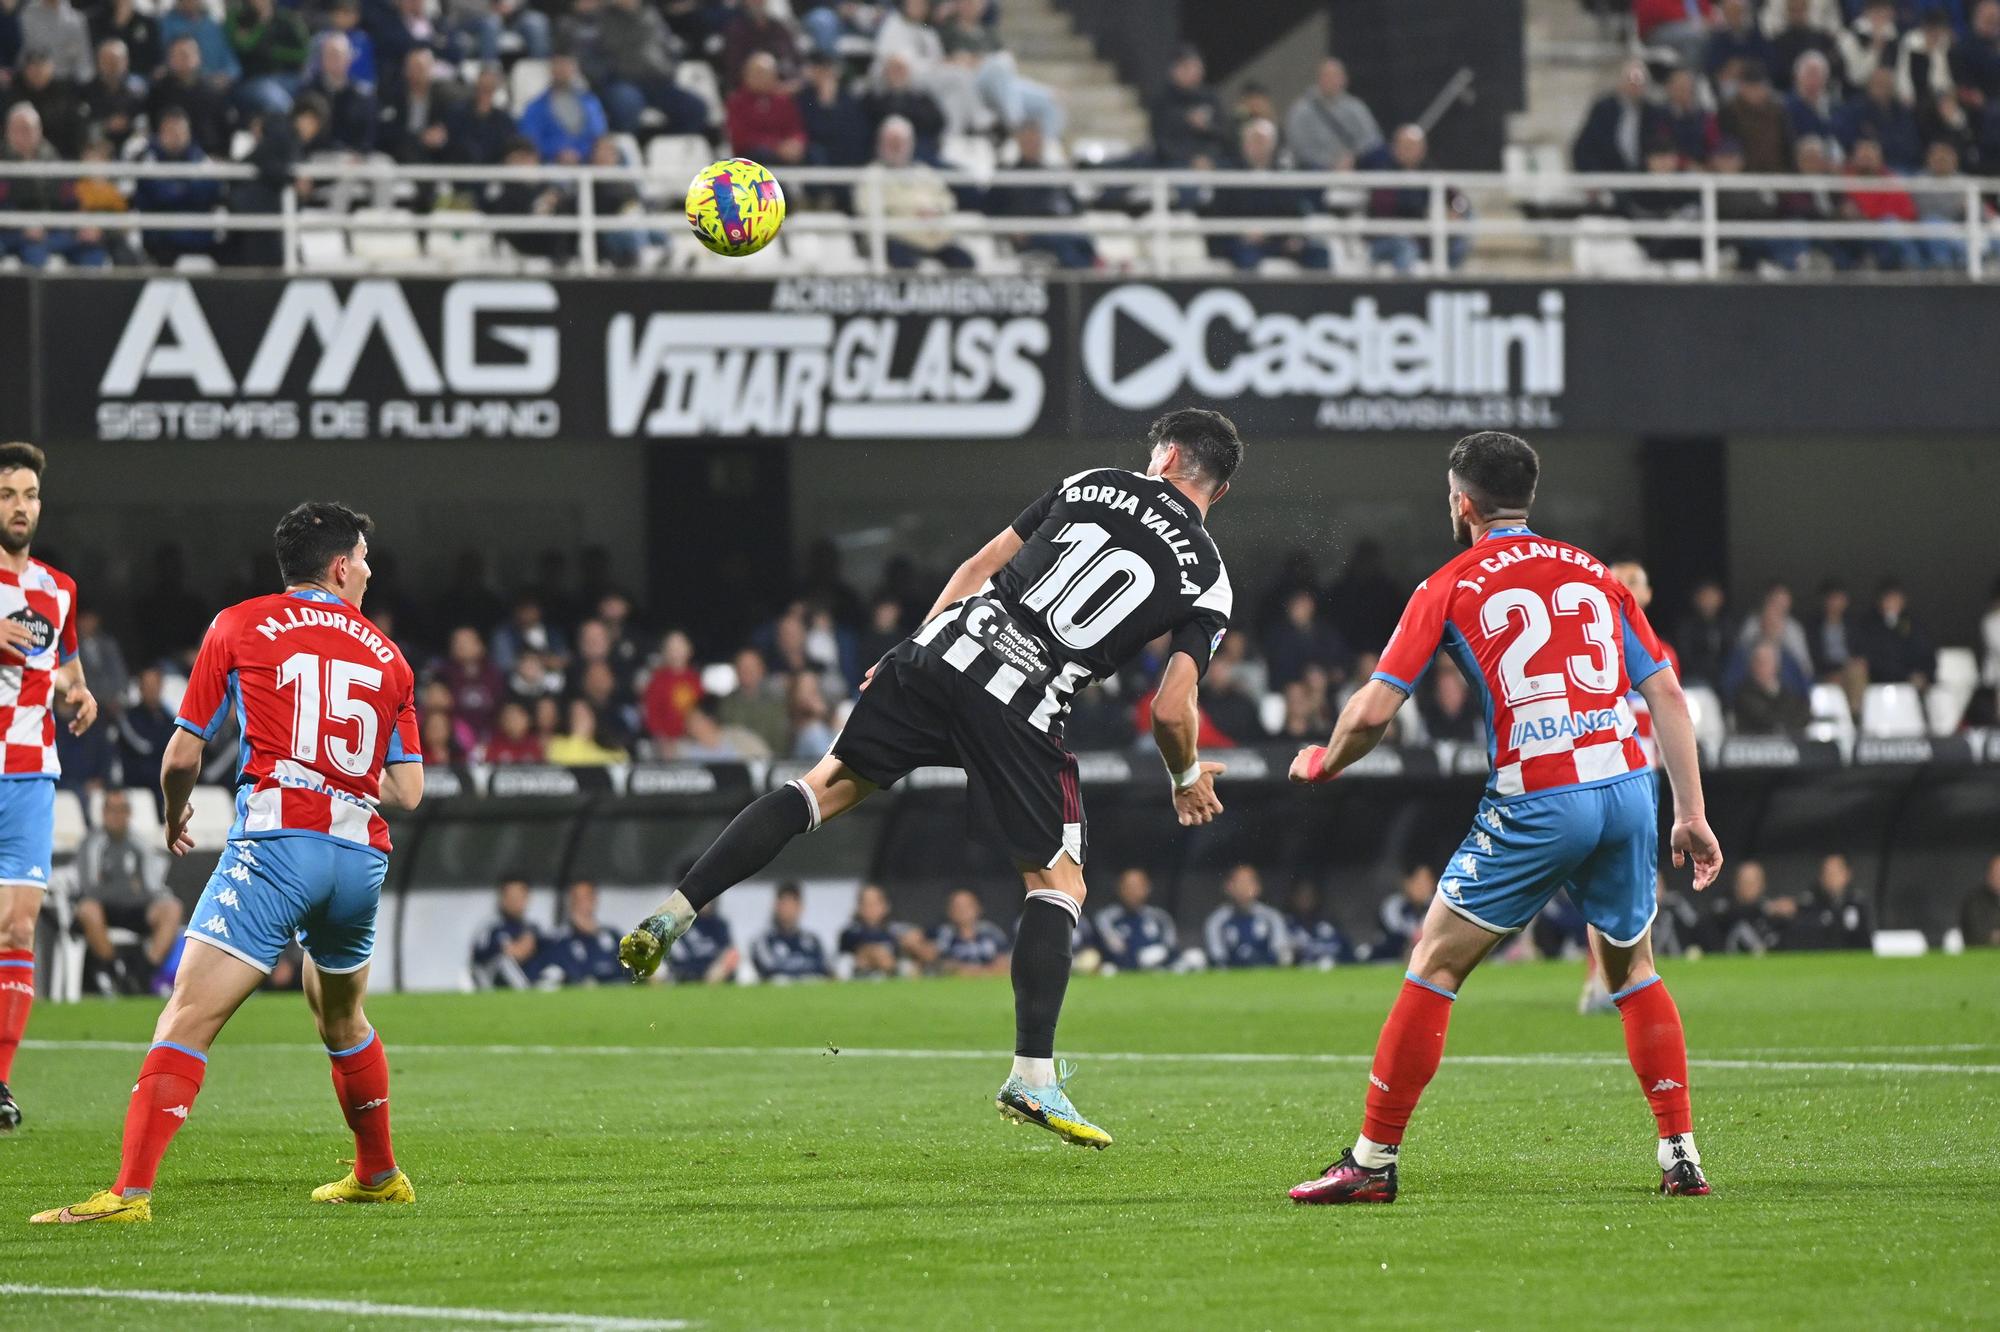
x,y
40,626
1216,642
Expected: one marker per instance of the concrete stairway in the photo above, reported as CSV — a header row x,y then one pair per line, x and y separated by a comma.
x,y
1051,51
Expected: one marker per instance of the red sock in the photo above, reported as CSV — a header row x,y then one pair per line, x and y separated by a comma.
x,y
1658,1050
1406,1058
169,1080
361,1081
17,996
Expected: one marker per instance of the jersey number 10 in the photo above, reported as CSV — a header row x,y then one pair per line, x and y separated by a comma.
x,y
1081,594
326,690
1595,672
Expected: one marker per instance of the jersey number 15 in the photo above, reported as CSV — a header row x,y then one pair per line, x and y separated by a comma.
x,y
326,689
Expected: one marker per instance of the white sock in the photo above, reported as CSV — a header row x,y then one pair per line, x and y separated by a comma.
x,y
678,910
1372,1155
1676,1149
1035,1072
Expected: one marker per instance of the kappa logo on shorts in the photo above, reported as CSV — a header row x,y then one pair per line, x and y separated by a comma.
x,y
216,925
1482,841
240,873
1491,817
1469,866
1449,887
227,897
35,872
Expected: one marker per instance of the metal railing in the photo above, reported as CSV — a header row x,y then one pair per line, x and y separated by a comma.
x,y
1149,210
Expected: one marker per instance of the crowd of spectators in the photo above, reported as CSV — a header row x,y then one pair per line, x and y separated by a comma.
x,y
1907,95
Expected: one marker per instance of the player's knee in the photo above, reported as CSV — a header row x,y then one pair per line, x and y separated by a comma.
x,y
165,913
343,1031
90,913
17,930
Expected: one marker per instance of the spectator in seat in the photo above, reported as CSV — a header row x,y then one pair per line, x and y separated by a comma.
x,y
1244,931
1308,708
1810,107
174,142
199,96
565,122
1680,26
1132,933
1690,124
706,954
1259,152
513,739
122,21
278,145
896,94
1619,125
402,29
1799,37
1303,638
1069,249
1765,703
413,129
1773,623
756,29
826,22
1979,914
1410,150
1747,921
1663,159
1329,128
1316,941
786,951
344,17
121,885
477,685
1896,649
673,689
710,741
116,98
1448,708
516,198
811,718
83,248
967,943
622,248
838,131
143,730
1702,636
764,120
474,28
1735,44
1227,702
757,704
1870,43
1403,911
1831,634
584,949
1757,120
584,742
1975,59
270,45
1879,115
1942,210
913,199
874,942
351,106
478,131
55,99
1190,126
1829,914
56,29
504,951
1923,63
1890,253
636,58
190,18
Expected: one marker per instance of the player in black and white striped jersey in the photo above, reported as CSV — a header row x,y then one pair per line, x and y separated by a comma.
x,y
1102,564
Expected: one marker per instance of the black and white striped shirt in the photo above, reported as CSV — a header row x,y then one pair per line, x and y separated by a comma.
x,y
1110,561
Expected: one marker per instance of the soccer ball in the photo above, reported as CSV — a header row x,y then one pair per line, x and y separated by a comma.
x,y
735,206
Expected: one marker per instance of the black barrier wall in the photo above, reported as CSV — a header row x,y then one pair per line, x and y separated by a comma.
x,y
179,358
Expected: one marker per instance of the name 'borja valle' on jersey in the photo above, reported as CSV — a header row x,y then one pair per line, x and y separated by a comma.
x,y
1551,641
1110,560
325,700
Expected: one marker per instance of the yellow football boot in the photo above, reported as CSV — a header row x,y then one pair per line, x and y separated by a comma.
x,y
104,1205
395,1189
1050,1108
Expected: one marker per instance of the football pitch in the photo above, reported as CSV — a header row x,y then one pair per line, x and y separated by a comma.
x,y
830,1156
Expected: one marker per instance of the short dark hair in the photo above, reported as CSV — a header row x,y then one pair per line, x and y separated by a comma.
x,y
315,534
1497,470
790,889
19,454
1207,439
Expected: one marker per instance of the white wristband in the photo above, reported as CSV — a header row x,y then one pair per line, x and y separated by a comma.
x,y
1183,780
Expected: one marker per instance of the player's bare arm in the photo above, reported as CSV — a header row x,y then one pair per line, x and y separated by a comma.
x,y
180,768
1176,726
1360,727
1673,727
403,785
76,695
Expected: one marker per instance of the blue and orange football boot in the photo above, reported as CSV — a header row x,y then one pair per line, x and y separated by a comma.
x,y
1348,1181
1050,1108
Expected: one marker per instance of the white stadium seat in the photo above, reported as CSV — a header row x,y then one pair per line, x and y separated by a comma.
x,y
1958,667
212,810
525,83
1944,705
675,158
1892,712
70,824
699,79
395,246
1706,710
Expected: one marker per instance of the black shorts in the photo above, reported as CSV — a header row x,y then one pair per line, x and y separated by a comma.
x,y
127,913
918,712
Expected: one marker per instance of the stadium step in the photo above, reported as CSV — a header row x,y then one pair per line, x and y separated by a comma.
x,y
1051,51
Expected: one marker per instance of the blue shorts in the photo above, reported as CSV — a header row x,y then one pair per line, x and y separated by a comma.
x,y
266,891
1599,842
27,831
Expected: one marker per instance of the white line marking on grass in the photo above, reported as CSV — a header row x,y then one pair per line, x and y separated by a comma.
x,y
1525,1060
355,1308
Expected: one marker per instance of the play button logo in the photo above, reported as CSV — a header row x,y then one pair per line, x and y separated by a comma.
x,y
1142,322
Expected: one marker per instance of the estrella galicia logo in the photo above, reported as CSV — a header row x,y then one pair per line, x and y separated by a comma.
x,y
40,626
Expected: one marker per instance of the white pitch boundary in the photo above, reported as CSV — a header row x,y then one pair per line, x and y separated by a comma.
x,y
354,1308
1526,1060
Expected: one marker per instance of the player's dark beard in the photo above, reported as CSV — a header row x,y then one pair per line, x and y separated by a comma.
x,y
14,544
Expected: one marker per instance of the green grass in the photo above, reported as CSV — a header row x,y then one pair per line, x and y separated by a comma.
x,y
818,1189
